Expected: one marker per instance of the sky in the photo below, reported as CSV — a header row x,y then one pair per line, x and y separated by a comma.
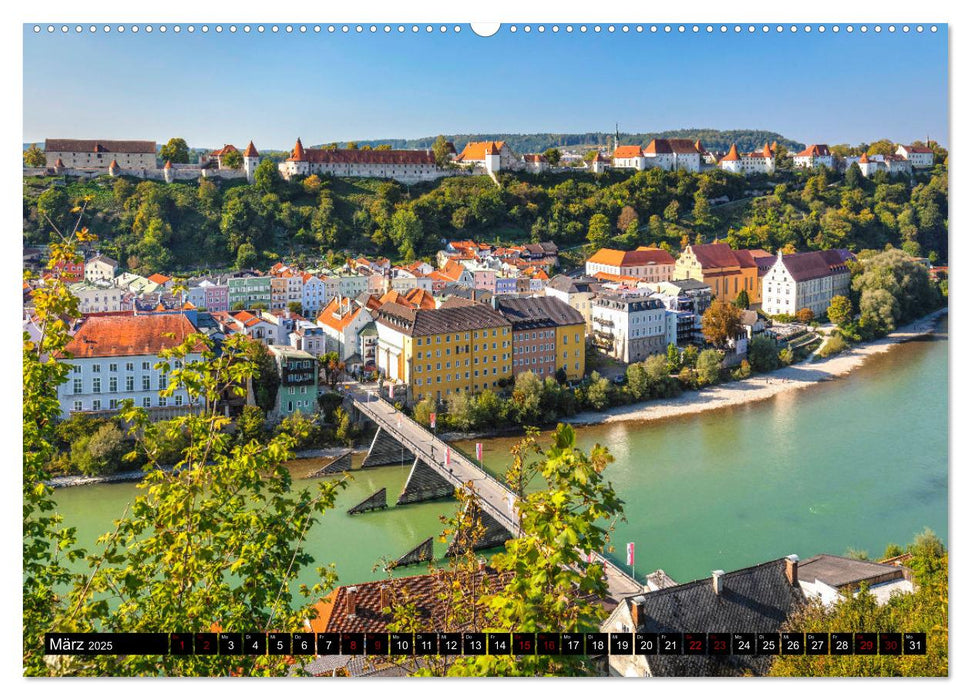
x,y
218,88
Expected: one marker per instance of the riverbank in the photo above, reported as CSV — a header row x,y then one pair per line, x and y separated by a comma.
x,y
70,480
763,386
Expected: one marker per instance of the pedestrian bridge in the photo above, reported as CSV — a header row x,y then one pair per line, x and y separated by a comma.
x,y
400,440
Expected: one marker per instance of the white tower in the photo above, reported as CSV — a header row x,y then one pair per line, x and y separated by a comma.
x,y
251,158
167,171
492,158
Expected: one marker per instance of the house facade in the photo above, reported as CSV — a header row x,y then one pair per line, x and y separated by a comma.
x,y
805,281
920,157
726,270
577,292
298,381
100,268
403,166
815,155
548,335
645,264
113,358
438,352
85,154
629,327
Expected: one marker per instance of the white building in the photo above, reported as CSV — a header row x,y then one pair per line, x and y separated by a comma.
x,y
674,154
535,163
403,166
831,578
892,165
920,157
805,281
599,164
113,359
629,158
492,156
629,327
100,297
342,321
578,292
100,268
85,154
813,156
756,162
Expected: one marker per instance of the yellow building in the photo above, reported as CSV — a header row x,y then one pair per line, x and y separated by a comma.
x,y
465,347
726,270
548,335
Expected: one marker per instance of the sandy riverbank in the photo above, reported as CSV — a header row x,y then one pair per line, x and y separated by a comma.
x,y
763,386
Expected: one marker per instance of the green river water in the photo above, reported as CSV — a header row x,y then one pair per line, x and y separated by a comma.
x,y
857,462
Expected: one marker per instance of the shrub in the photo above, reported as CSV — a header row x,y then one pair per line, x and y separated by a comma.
x,y
834,345
762,354
709,367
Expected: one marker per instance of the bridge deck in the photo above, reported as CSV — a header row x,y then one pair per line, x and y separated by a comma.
x,y
494,496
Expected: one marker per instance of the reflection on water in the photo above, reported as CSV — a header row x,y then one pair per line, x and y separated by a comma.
x,y
857,462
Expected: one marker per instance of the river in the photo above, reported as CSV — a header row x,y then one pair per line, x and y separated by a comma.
x,y
853,463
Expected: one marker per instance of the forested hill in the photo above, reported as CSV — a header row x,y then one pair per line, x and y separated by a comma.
x,y
713,139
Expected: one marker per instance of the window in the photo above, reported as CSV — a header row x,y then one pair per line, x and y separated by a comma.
x,y
96,385
96,405
113,404
178,400
147,402
112,367
129,384
162,401
95,368
130,366
78,387
78,406
113,384
146,383
146,366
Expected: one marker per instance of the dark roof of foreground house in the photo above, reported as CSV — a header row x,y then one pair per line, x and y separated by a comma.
x,y
573,285
538,312
756,599
98,146
842,571
451,319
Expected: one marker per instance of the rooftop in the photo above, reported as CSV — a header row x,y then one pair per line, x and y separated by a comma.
x,y
422,322
118,336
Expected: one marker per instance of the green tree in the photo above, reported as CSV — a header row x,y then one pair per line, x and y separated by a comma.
x,y
598,232
551,584
637,381
246,256
295,307
441,150
924,610
689,358
406,232
251,425
598,392
840,310
674,359
265,377
672,212
232,160
763,354
893,289
742,300
34,157
176,150
708,368
267,176
423,410
552,156
219,542
99,452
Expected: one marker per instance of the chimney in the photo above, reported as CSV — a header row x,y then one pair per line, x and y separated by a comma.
x,y
635,613
385,597
717,581
792,569
351,601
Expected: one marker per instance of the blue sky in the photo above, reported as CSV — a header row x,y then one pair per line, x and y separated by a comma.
x,y
228,88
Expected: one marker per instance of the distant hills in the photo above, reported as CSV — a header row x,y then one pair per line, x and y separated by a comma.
x,y
712,139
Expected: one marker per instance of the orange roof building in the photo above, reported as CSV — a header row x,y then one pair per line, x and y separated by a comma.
x,y
476,151
114,355
644,264
726,270
251,151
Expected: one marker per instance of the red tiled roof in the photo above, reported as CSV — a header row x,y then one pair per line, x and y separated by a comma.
x,y
713,255
420,298
625,258
113,164
476,150
628,152
339,313
116,336
228,148
250,151
97,146
815,149
534,158
732,154
158,278
423,590
673,146
864,158
298,153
